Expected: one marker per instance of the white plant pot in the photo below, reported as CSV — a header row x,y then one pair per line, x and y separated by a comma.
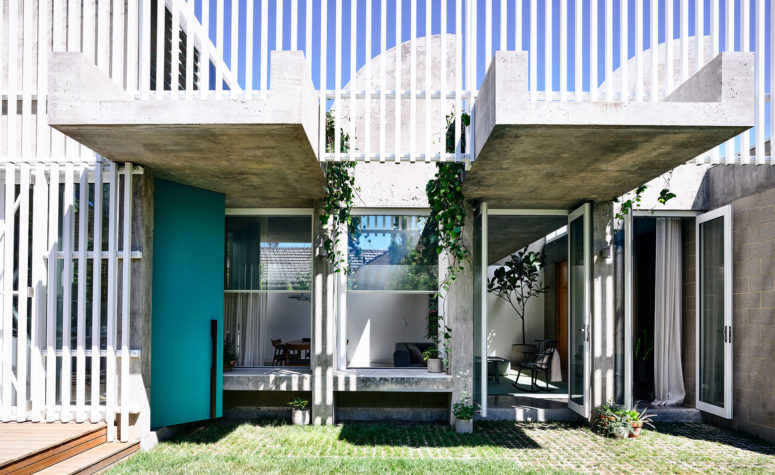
x,y
464,427
622,432
300,417
435,365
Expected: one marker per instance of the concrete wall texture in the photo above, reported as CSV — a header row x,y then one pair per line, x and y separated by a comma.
x,y
751,192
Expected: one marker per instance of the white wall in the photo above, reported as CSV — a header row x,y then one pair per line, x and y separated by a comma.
x,y
504,328
374,325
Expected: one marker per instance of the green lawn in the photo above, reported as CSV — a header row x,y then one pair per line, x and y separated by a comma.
x,y
230,447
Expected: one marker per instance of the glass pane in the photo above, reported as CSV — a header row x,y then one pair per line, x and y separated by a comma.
x,y
253,320
268,253
712,312
577,310
392,253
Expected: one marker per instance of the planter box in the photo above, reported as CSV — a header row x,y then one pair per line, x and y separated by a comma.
x,y
300,417
435,365
464,427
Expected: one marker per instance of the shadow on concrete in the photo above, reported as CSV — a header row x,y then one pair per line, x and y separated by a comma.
x,y
712,433
420,435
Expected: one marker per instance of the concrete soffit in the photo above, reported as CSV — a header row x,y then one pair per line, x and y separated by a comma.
x,y
259,152
559,154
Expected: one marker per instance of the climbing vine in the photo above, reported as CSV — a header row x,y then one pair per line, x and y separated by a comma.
x,y
447,209
338,202
635,202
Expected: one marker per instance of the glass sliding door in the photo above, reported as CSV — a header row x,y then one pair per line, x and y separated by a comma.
x,y
480,308
579,308
714,312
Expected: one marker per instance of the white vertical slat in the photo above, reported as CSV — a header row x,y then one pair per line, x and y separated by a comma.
x,y
308,33
609,51
761,154
413,80
323,81
458,82
533,50
654,47
28,80
279,25
53,288
219,26
772,84
88,29
72,25
624,50
548,63
669,27
563,51
745,45
518,25
503,27
132,56
715,157
8,236
398,121
96,318
21,302
264,52
593,51
117,53
444,25
204,55
699,34
474,85
112,304
38,307
4,296
234,57
80,352
428,86
145,47
353,71
487,32
684,40
12,84
638,50
249,49
126,281
368,87
729,45
103,35
382,78
294,24
175,49
160,20
189,85
337,77
43,131
577,53
67,280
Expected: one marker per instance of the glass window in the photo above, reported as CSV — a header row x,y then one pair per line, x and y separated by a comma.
x,y
392,253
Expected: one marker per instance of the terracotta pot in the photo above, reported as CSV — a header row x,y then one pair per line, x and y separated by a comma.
x,y
636,428
464,427
435,365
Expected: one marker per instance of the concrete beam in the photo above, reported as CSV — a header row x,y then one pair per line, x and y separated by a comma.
x,y
258,152
558,154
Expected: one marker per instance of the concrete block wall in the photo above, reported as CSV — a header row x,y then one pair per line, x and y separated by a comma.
x,y
751,192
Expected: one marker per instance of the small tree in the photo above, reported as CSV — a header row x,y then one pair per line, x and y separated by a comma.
x,y
518,281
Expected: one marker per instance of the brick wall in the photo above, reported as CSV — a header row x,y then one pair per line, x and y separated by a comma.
x,y
751,191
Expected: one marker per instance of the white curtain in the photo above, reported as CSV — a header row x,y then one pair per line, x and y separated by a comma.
x,y
246,320
668,373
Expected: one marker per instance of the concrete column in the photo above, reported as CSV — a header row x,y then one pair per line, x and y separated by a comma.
x,y
324,299
603,304
458,307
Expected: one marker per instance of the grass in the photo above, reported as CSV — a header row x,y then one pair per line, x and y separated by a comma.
x,y
494,447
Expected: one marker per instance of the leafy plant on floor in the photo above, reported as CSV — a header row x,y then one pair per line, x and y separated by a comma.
x,y
518,281
438,333
337,204
465,408
298,403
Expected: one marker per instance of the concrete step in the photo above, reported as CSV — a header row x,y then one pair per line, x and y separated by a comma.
x,y
529,414
95,459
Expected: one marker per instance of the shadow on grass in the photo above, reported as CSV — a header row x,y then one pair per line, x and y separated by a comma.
x,y
712,433
420,435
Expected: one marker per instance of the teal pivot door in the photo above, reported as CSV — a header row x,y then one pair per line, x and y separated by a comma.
x,y
188,256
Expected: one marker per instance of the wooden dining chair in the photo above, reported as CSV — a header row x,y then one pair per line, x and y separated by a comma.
x,y
279,352
294,354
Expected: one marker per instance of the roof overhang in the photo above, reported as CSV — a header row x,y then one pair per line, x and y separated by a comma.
x,y
259,152
559,154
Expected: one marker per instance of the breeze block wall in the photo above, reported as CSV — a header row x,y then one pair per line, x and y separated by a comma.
x,y
751,192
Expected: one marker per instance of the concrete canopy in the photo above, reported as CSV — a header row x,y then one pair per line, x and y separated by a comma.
x,y
557,155
508,234
259,152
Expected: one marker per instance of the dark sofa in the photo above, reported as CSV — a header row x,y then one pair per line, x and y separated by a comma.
x,y
403,359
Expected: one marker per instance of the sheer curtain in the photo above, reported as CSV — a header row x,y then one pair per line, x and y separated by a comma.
x,y
668,373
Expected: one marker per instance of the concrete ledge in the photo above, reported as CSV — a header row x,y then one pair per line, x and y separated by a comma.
x,y
529,414
258,152
557,154
267,379
392,380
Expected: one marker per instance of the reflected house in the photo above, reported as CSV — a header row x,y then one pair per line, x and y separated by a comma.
x,y
195,180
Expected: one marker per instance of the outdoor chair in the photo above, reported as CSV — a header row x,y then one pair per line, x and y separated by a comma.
x,y
279,352
538,361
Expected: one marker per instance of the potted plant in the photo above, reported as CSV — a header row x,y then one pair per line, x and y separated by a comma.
x,y
229,353
463,411
638,421
620,426
518,281
435,364
299,413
